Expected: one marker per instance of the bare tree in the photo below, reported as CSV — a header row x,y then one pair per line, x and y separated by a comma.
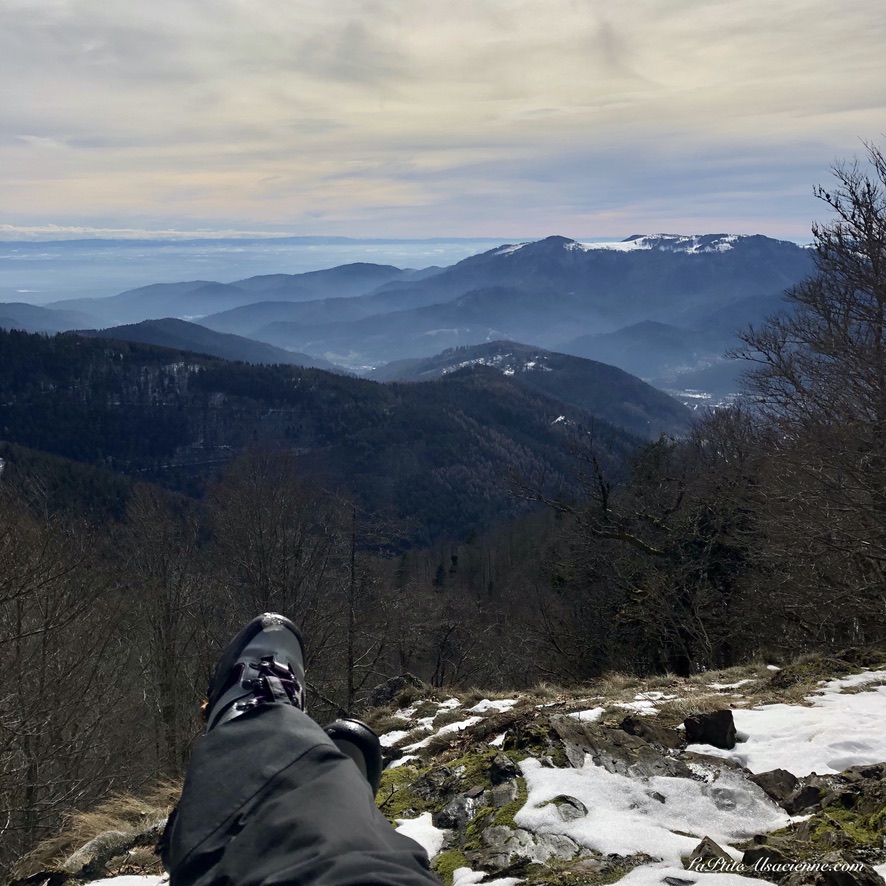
x,y
819,384
159,565
57,634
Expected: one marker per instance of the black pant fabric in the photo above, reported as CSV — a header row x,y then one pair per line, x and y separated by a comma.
x,y
269,799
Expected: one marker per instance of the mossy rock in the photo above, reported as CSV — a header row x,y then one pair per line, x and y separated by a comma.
x,y
505,815
847,828
834,828
395,796
447,863
584,871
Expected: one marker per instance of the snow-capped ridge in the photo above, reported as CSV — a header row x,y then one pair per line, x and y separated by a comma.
x,y
691,244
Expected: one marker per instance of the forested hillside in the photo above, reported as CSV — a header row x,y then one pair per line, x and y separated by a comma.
x,y
435,458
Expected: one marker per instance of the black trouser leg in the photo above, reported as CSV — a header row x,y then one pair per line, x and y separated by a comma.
x,y
269,799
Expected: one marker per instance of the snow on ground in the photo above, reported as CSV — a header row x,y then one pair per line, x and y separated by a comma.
x,y
423,832
449,705
467,877
501,705
443,730
131,881
839,730
646,703
402,761
721,686
589,716
666,817
627,816
654,875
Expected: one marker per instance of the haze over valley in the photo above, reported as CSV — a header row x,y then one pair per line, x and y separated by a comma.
x,y
665,308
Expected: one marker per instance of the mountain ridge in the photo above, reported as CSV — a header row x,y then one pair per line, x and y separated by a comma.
x,y
595,387
171,332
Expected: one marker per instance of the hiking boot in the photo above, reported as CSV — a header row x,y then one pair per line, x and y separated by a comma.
x,y
263,664
357,741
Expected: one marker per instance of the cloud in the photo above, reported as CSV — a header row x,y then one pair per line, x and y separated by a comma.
x,y
410,117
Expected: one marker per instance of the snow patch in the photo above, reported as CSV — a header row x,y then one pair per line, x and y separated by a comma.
x,y
443,730
396,764
501,705
628,816
721,686
468,877
424,833
589,716
838,730
131,880
449,705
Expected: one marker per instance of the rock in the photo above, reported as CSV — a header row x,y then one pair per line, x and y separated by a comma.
x,y
716,728
764,856
386,692
615,750
435,785
652,732
456,814
874,771
865,875
505,846
778,784
706,851
806,796
568,808
504,793
503,768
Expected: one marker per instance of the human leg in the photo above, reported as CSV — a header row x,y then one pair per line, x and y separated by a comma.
x,y
268,797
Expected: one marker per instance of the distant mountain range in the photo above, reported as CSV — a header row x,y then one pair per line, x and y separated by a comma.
x,y
198,298
184,336
663,307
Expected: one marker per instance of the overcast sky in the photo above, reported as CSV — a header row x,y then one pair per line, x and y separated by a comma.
x,y
421,118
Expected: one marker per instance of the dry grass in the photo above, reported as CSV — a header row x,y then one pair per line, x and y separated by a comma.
x,y
613,686
678,709
472,696
121,813
381,721
444,718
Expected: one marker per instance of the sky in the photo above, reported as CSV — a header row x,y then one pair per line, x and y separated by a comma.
x,y
508,119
